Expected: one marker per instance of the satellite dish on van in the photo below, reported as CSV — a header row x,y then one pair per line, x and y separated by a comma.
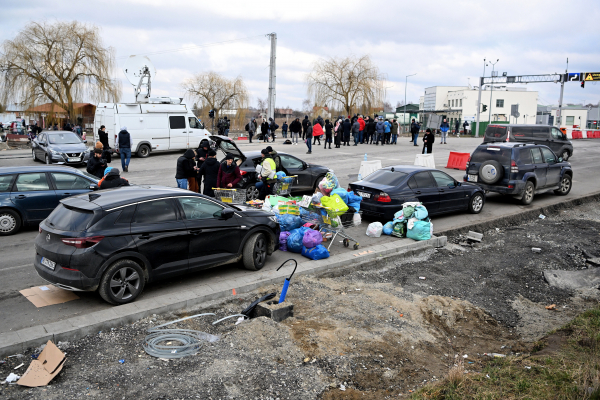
x,y
139,70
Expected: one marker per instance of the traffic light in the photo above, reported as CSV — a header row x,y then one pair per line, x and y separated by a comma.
x,y
582,84
211,113
484,108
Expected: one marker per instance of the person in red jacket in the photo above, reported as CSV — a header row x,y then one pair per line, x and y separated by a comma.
x,y
361,129
229,173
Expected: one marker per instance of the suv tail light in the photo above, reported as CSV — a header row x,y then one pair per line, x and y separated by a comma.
x,y
83,243
383,197
242,172
468,161
513,167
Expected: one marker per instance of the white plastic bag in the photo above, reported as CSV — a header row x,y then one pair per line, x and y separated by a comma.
x,y
266,205
411,223
374,229
356,219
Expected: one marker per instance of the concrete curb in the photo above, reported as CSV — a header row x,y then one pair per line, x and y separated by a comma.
x,y
74,328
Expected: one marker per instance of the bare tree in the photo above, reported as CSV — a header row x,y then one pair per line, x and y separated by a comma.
x,y
349,83
261,104
387,106
399,103
61,62
216,92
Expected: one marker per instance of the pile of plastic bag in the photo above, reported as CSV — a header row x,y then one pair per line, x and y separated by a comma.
x,y
342,206
305,241
412,222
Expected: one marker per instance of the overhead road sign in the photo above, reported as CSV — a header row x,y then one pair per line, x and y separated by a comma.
x,y
591,76
574,76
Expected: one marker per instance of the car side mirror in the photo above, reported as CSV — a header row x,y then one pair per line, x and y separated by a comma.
x,y
226,213
560,159
304,165
94,187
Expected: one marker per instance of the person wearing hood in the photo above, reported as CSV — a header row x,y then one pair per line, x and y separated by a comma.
x,y
387,130
124,145
305,123
444,127
380,130
251,129
328,133
337,132
229,173
295,130
394,132
428,140
372,130
275,157
309,136
96,164
112,179
267,175
355,131
186,171
201,156
210,171
346,129
414,129
361,131
103,137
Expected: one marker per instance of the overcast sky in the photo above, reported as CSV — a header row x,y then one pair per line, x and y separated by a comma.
x,y
443,42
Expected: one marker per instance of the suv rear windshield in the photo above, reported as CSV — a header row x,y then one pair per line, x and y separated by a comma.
x,y
486,153
386,177
69,219
495,132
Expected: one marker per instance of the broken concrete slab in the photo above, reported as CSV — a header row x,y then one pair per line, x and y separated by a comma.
x,y
475,236
594,261
573,280
271,309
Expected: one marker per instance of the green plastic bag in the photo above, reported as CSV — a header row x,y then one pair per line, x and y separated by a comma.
x,y
408,211
274,200
335,205
399,229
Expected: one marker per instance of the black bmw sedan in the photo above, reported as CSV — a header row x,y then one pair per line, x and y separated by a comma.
x,y
116,241
385,190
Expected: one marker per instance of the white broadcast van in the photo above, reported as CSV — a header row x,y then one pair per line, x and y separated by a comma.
x,y
162,124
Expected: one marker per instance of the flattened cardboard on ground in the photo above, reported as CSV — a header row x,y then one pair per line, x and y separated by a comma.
x,y
42,296
41,371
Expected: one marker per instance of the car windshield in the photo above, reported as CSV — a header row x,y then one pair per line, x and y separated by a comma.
x,y
64,138
69,219
386,177
487,153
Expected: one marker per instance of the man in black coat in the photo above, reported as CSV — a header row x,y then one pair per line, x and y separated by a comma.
x,y
210,171
103,137
186,168
295,130
112,179
346,128
428,140
371,128
124,144
305,123
96,164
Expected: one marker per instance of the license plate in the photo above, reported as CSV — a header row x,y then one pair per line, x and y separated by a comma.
x,y
73,159
48,263
472,178
363,194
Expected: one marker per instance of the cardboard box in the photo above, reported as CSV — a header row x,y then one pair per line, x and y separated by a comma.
x,y
47,295
41,371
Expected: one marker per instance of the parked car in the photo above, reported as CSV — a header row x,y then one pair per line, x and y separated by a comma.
x,y
309,175
29,194
519,169
384,191
538,134
61,147
115,241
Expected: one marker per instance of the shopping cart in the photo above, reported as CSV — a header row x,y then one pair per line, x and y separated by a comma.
x,y
231,196
284,186
330,223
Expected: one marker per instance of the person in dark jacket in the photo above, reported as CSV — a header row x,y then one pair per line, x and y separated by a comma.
x,y
305,123
124,144
96,164
295,130
380,131
337,132
210,171
112,179
371,128
414,129
309,136
284,129
264,131
229,173
186,169
457,127
251,129
103,137
201,156
428,140
356,131
328,133
275,156
272,128
346,129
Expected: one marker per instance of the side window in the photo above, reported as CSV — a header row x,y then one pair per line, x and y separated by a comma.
x,y
42,138
424,180
194,123
537,157
126,214
442,179
499,103
525,156
32,182
195,208
570,120
177,122
540,132
412,183
548,155
6,182
290,162
155,212
556,134
69,181
521,131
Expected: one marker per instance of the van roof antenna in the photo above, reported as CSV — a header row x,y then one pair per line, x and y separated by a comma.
x,y
139,71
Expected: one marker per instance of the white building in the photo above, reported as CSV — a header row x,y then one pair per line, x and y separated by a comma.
x,y
460,103
572,117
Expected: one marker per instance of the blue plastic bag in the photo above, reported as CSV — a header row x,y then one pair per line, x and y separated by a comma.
x,y
353,200
289,222
421,230
304,212
312,239
294,242
420,212
280,175
340,192
388,228
399,216
316,253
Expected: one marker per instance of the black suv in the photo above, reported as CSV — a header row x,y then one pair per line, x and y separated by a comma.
x,y
519,169
115,241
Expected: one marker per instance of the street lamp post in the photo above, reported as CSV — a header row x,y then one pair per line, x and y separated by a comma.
x,y
405,84
492,88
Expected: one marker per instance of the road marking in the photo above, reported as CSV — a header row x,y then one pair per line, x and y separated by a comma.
x,y
16,267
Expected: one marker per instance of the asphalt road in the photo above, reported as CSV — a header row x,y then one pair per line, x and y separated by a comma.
x,y
16,252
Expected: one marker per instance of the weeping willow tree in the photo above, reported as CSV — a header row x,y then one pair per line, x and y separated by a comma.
x,y
62,63
217,93
350,84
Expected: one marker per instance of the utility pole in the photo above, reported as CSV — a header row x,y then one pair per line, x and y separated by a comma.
x,y
479,101
560,100
271,106
405,84
492,88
